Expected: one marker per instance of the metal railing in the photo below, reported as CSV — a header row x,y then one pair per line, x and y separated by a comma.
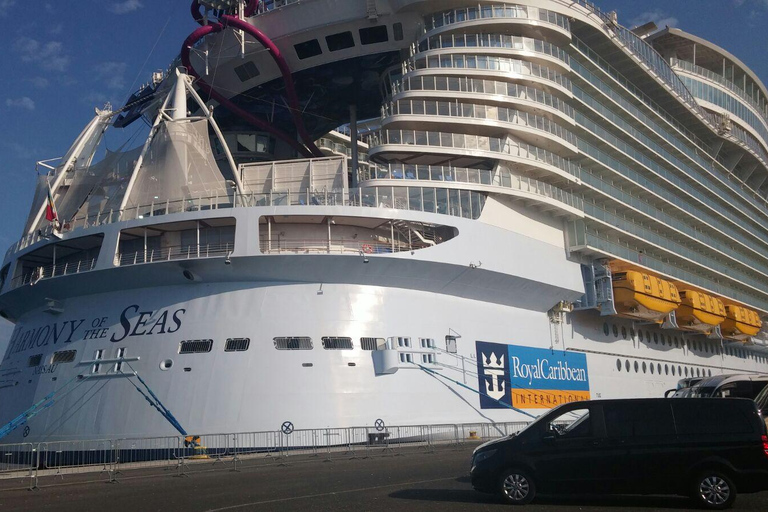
x,y
48,271
337,246
48,463
179,252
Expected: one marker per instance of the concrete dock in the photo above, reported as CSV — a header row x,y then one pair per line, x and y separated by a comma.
x,y
413,481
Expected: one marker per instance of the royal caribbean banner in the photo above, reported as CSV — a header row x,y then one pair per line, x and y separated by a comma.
x,y
529,378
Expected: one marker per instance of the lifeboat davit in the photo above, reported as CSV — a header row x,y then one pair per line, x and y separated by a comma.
x,y
740,323
699,312
639,295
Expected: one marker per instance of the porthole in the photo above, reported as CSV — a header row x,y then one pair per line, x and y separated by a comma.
x,y
651,368
618,364
706,348
640,335
659,368
626,364
606,329
666,369
624,332
632,333
656,338
166,365
663,342
670,343
677,345
645,367
686,371
679,370
648,336
698,373
673,370
615,331
709,373
637,367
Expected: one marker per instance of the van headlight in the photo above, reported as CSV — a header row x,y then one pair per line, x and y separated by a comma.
x,y
480,457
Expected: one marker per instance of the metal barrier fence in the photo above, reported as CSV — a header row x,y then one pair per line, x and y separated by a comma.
x,y
47,462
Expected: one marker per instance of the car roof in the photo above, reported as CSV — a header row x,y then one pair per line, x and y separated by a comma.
x,y
717,380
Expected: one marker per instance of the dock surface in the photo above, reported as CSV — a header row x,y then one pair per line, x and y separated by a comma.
x,y
436,481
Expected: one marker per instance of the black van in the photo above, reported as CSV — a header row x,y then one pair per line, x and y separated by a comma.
x,y
706,448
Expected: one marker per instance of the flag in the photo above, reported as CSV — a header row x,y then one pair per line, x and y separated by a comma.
x,y
50,209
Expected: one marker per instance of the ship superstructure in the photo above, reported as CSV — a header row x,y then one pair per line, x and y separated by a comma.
x,y
409,211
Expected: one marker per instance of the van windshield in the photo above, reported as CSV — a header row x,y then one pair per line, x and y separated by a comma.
x,y
702,391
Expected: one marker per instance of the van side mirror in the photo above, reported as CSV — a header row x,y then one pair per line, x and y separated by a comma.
x,y
669,393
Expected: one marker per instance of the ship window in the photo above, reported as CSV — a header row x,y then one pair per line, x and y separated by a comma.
x,y
606,329
397,31
648,336
99,354
63,356
645,367
673,370
373,343
237,344
373,35
247,71
656,338
626,364
427,342
618,364
293,343
709,373
337,343
120,355
308,49
651,368
632,333
340,41
615,331
403,342
640,335
686,371
406,358
637,367
195,346
666,369
35,360
677,345
450,344
624,332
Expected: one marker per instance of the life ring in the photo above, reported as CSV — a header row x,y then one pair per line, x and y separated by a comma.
x,y
367,248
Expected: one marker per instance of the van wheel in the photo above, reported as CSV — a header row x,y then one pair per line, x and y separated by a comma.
x,y
517,487
714,490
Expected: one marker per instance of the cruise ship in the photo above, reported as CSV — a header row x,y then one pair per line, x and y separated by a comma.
x,y
393,212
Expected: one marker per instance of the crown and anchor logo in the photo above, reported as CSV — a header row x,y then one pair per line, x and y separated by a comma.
x,y
493,371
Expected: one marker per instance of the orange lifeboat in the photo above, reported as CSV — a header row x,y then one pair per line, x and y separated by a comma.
x,y
639,295
699,312
740,322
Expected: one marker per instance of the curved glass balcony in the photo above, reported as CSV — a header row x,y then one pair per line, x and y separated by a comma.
x,y
488,11
500,41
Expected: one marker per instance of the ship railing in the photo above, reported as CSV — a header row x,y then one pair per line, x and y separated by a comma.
x,y
49,463
57,270
335,246
177,252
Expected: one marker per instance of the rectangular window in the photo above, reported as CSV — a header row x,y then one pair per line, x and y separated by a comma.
x,y
340,41
247,71
237,344
427,342
631,420
119,364
373,343
406,358
293,343
97,355
397,31
403,342
373,35
308,49
337,343
195,346
35,360
63,356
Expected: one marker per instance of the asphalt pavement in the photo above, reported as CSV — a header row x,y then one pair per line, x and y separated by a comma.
x,y
415,481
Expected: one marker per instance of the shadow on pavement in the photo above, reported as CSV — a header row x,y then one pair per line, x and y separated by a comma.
x,y
580,501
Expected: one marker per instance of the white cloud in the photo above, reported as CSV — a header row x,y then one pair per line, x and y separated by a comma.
x,y
95,98
125,7
659,17
49,56
113,74
5,6
38,82
23,102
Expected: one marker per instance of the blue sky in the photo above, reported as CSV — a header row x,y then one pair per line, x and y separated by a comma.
x,y
59,62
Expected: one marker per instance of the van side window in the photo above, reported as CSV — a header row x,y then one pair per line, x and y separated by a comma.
x,y
638,419
720,418
572,424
